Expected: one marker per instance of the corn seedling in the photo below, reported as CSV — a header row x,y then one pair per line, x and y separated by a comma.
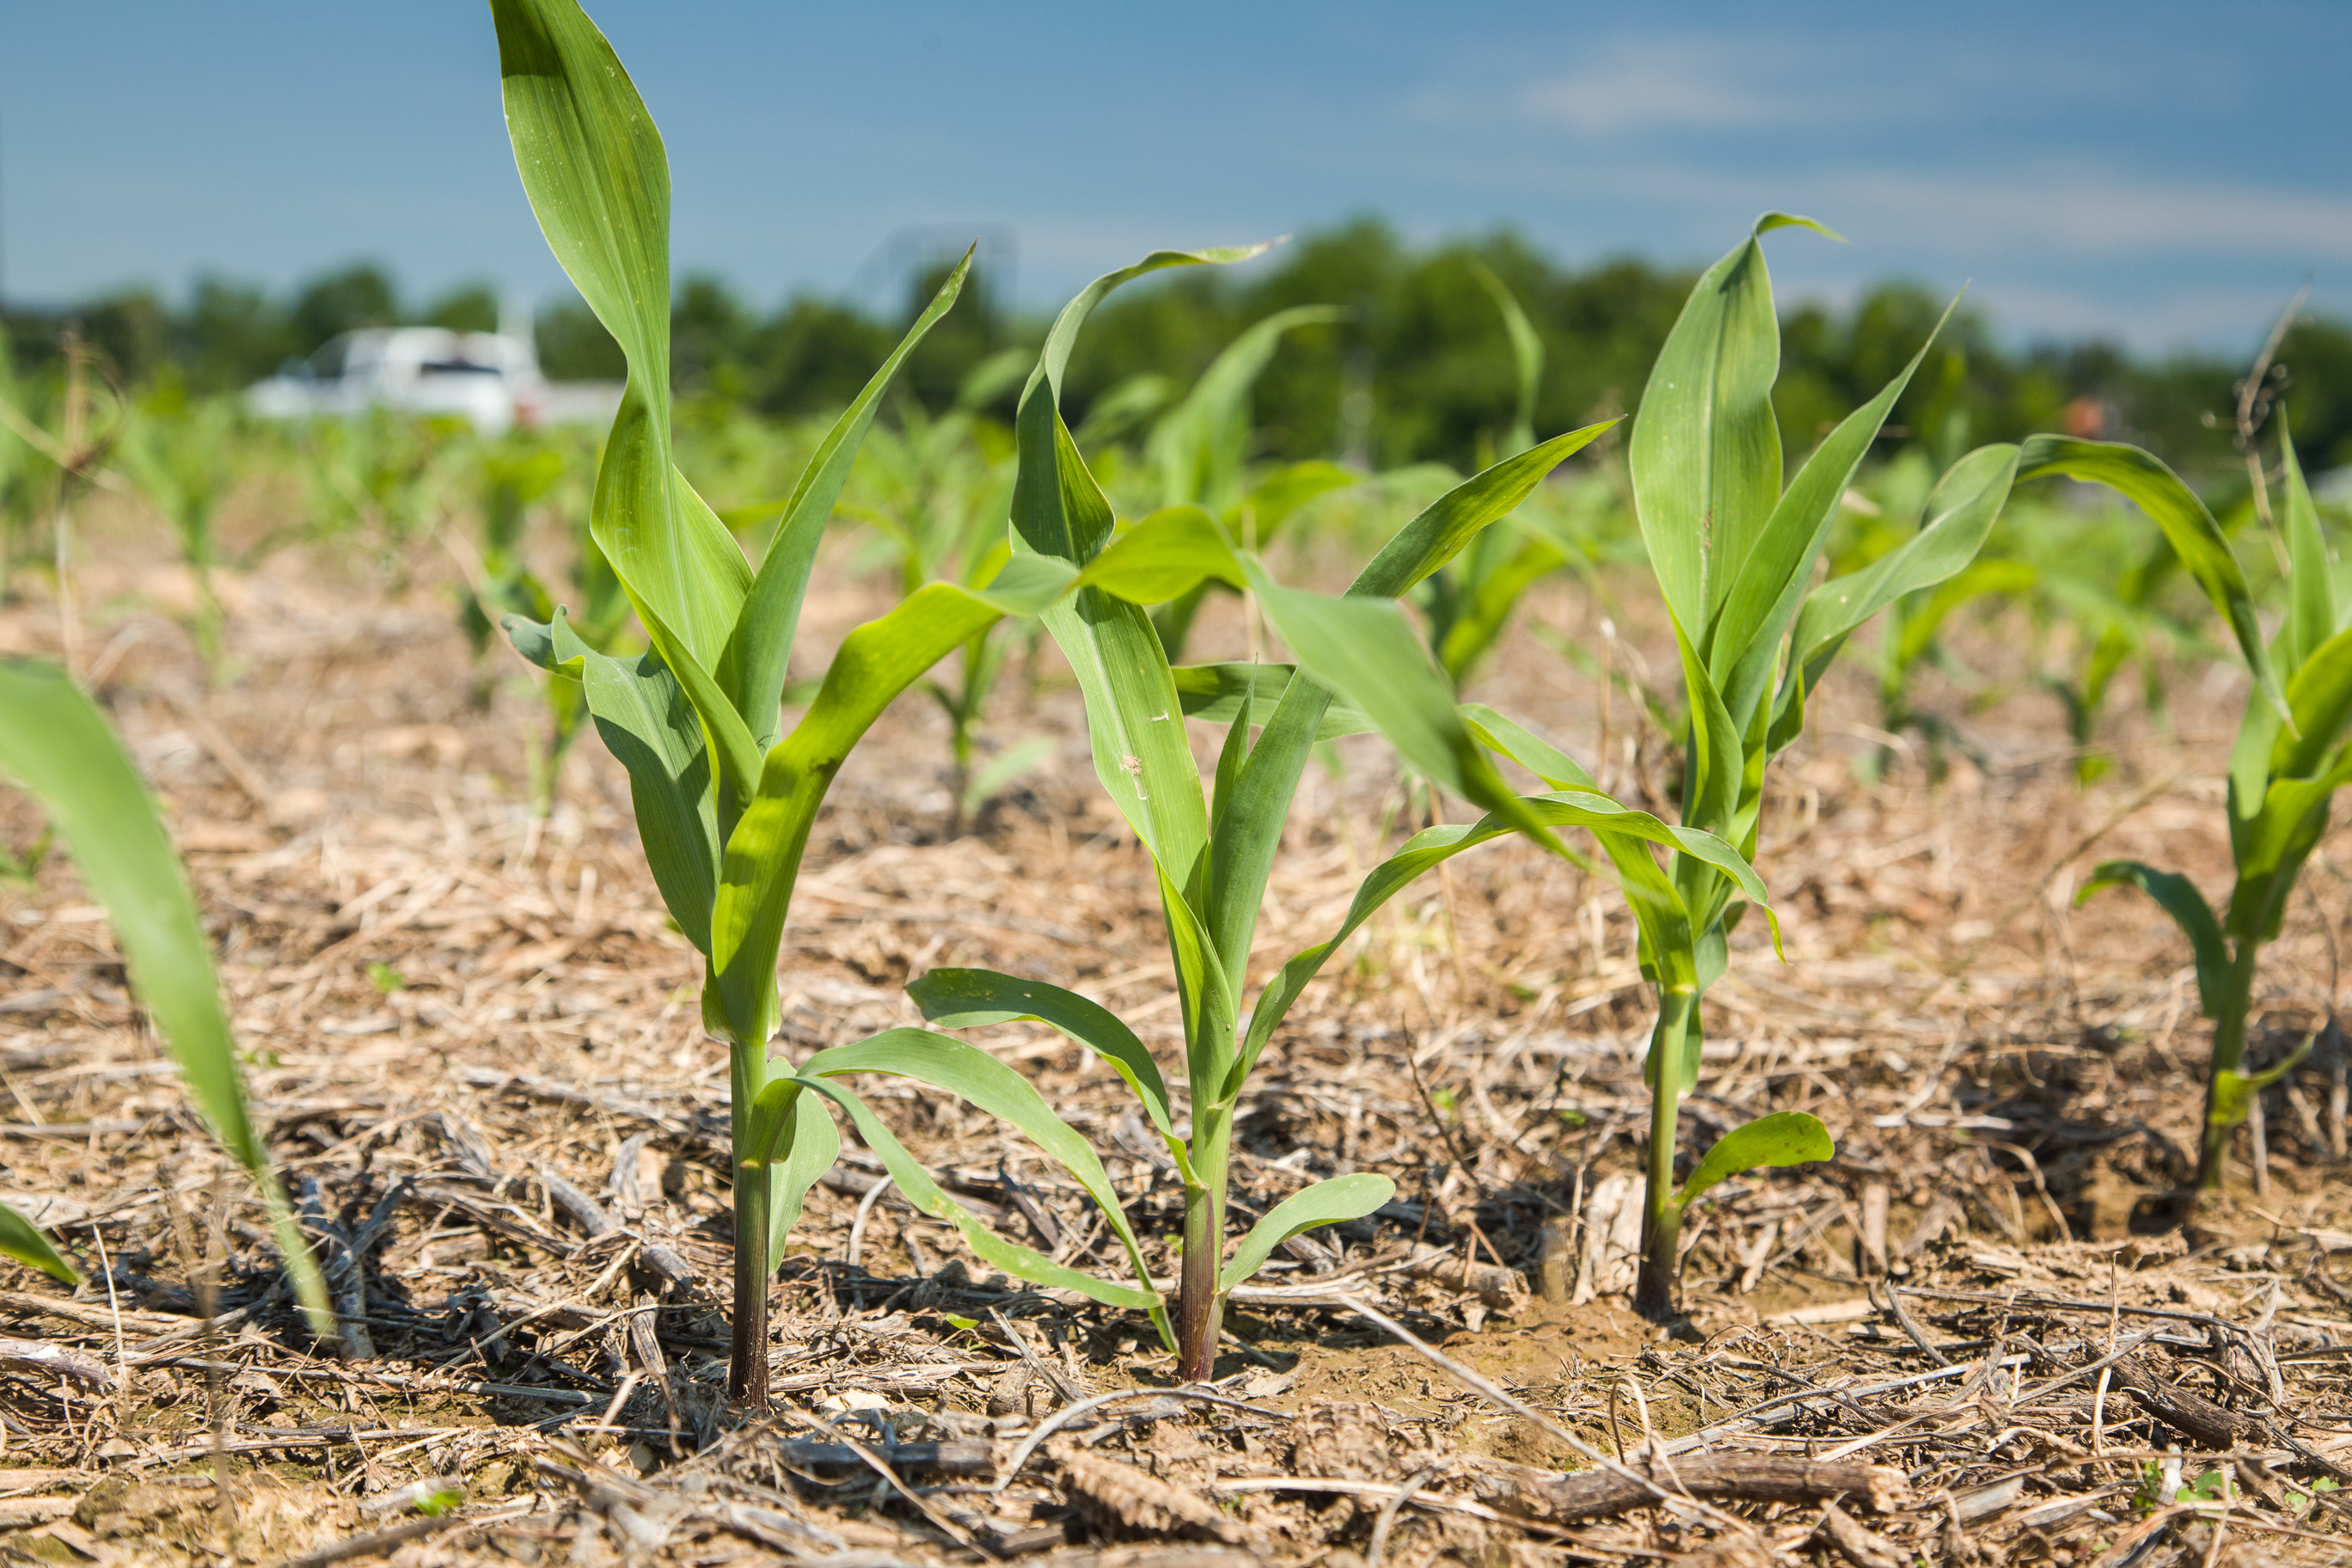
x,y
724,805
378,475
181,459
1734,554
1359,667
503,584
56,745
2290,758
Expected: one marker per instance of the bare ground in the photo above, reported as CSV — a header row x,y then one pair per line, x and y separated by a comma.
x,y
455,1012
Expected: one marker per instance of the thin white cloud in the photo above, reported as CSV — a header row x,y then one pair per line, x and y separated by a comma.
x,y
1639,83
2090,212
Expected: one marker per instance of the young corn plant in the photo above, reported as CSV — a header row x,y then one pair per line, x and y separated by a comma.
x,y
724,802
512,479
1734,553
181,457
1213,850
56,745
2292,755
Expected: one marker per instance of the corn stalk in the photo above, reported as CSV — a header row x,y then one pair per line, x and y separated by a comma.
x,y
1734,549
2290,758
724,800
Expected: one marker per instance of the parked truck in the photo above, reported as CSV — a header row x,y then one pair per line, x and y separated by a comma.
x,y
490,379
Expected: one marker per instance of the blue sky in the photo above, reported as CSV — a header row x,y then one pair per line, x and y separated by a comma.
x,y
2165,175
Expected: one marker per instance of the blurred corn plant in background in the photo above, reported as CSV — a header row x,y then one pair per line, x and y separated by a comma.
x,y
935,491
1468,603
183,458
379,479
1198,455
516,477
2112,589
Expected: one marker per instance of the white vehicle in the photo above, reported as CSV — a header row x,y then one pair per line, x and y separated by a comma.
x,y
491,379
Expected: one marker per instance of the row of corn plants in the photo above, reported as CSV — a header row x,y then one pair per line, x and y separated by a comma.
x,y
681,652
726,804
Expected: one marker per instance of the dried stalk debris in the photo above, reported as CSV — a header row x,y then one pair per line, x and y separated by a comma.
x,y
492,1093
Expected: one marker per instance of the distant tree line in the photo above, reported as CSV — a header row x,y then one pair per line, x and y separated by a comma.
x,y
1418,370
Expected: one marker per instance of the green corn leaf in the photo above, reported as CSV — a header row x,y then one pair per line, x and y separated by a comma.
x,y
55,743
1165,555
1783,1138
732,745
2233,1092
2319,698
1451,522
1230,755
2271,846
1249,830
751,672
1208,989
1135,726
1277,498
980,1079
1960,513
1198,447
1063,336
788,1138
1673,954
1706,449
916,1185
1334,1202
593,165
970,998
1711,794
1366,648
2176,895
1528,749
1249,694
21,1239
876,662
2195,537
2311,611
1762,589
652,731
1526,356
1426,850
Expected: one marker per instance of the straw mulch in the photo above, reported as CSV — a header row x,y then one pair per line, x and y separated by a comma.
x,y
1983,1334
